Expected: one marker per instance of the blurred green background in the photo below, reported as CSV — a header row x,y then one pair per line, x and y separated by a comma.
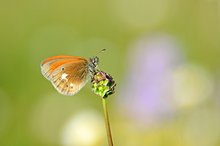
x,y
163,54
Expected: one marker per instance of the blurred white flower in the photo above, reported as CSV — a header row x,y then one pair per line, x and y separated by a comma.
x,y
191,85
50,113
84,129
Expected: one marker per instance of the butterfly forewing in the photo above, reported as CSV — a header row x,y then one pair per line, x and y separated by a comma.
x,y
50,64
68,74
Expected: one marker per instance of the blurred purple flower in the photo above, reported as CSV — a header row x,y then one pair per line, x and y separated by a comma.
x,y
146,93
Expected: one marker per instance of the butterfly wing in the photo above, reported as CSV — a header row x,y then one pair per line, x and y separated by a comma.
x,y
68,74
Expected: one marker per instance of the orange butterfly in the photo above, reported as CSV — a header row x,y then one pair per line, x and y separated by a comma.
x,y
68,74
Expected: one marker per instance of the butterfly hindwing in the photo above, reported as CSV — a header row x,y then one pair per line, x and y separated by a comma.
x,y
68,75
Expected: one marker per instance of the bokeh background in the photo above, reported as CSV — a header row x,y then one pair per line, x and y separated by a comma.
x,y
163,54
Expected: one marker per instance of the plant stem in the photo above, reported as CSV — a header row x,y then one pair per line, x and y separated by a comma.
x,y
107,124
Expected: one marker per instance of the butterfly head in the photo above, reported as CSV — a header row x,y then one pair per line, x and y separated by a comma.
x,y
93,64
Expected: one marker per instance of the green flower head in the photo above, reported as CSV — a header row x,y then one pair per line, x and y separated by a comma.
x,y
103,84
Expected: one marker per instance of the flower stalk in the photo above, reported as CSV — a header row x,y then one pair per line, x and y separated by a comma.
x,y
107,122
103,85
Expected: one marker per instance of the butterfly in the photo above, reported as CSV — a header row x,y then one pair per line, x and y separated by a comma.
x,y
68,74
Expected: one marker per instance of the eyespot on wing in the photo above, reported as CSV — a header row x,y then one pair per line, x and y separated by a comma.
x,y
68,76
51,63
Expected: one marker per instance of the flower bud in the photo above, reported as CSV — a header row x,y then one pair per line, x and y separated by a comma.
x,y
103,84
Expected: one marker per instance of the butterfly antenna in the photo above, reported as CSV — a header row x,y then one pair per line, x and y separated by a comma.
x,y
103,50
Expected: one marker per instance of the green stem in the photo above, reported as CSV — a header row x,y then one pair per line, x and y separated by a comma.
x,y
107,124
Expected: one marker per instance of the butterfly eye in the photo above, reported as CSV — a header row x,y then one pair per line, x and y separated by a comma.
x,y
96,60
62,68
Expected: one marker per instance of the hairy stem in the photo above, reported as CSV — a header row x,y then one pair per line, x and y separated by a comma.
x,y
107,123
